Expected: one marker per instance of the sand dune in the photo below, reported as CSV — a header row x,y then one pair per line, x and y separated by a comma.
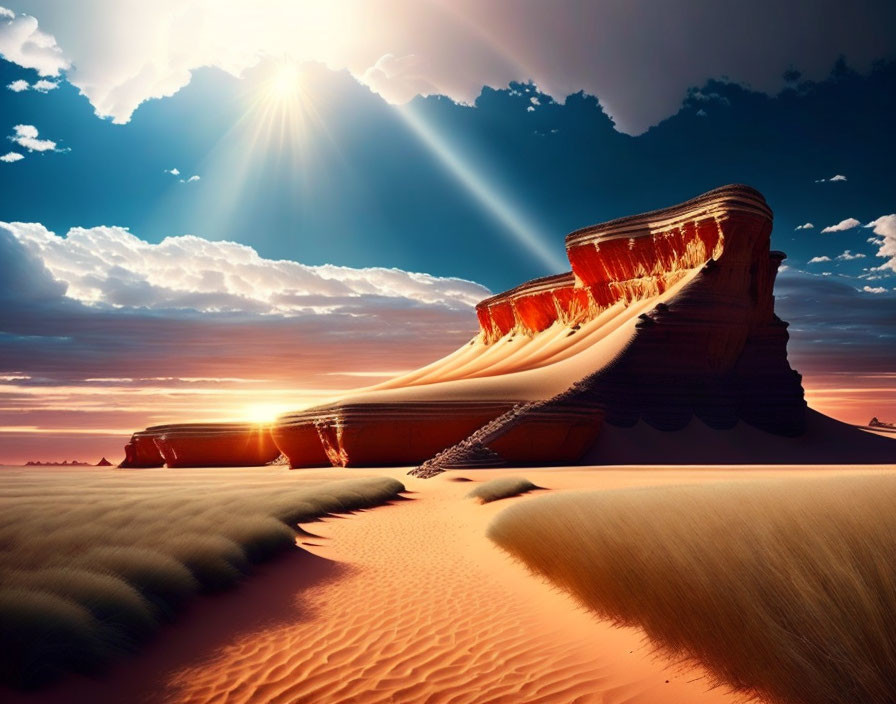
x,y
93,562
411,603
782,587
508,368
430,612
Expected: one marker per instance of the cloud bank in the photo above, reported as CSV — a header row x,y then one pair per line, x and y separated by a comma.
x,y
111,266
638,57
101,330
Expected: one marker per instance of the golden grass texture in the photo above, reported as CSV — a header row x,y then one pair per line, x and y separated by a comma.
x,y
501,488
784,589
91,562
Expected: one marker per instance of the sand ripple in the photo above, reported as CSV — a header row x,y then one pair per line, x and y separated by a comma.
x,y
429,611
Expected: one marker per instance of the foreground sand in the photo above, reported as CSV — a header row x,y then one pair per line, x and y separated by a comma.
x,y
411,603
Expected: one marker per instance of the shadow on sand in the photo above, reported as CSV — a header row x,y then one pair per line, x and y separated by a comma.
x,y
271,596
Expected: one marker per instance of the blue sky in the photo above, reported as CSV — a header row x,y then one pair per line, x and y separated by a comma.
x,y
358,187
383,166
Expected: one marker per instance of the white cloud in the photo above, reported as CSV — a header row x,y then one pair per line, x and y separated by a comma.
x,y
174,172
806,226
10,157
45,86
124,53
843,225
24,44
398,79
110,266
848,256
874,289
192,179
26,136
832,179
885,228
816,260
41,86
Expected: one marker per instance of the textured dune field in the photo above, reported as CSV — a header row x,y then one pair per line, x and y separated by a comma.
x,y
94,561
410,602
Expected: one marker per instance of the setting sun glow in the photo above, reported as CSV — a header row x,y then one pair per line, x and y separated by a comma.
x,y
263,413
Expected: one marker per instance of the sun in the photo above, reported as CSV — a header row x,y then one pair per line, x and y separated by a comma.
x,y
280,109
284,82
262,413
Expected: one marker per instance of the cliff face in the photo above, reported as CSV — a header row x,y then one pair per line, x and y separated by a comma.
x,y
664,317
716,350
201,445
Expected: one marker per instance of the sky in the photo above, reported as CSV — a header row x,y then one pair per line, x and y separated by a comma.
x,y
219,210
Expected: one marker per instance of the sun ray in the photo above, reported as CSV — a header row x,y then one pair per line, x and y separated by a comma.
x,y
485,193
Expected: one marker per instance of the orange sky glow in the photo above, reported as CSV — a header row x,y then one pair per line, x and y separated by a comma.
x,y
87,422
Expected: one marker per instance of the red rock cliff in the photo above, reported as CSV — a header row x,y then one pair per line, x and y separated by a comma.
x,y
201,445
665,316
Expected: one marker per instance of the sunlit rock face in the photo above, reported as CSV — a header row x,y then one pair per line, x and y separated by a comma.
x,y
141,450
388,435
201,445
534,306
665,316
370,435
716,350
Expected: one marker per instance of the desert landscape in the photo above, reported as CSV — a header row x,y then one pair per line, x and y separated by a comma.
x,y
402,352
437,597
604,582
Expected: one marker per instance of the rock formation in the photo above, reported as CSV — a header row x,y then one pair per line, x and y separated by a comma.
x,y
665,317
104,463
876,423
201,445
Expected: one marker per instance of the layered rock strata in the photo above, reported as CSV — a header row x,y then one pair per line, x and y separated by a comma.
x,y
201,445
665,316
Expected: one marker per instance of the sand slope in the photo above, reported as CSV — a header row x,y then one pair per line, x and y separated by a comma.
x,y
523,367
405,603
431,612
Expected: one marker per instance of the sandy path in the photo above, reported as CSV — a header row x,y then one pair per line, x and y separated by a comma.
x,y
428,610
